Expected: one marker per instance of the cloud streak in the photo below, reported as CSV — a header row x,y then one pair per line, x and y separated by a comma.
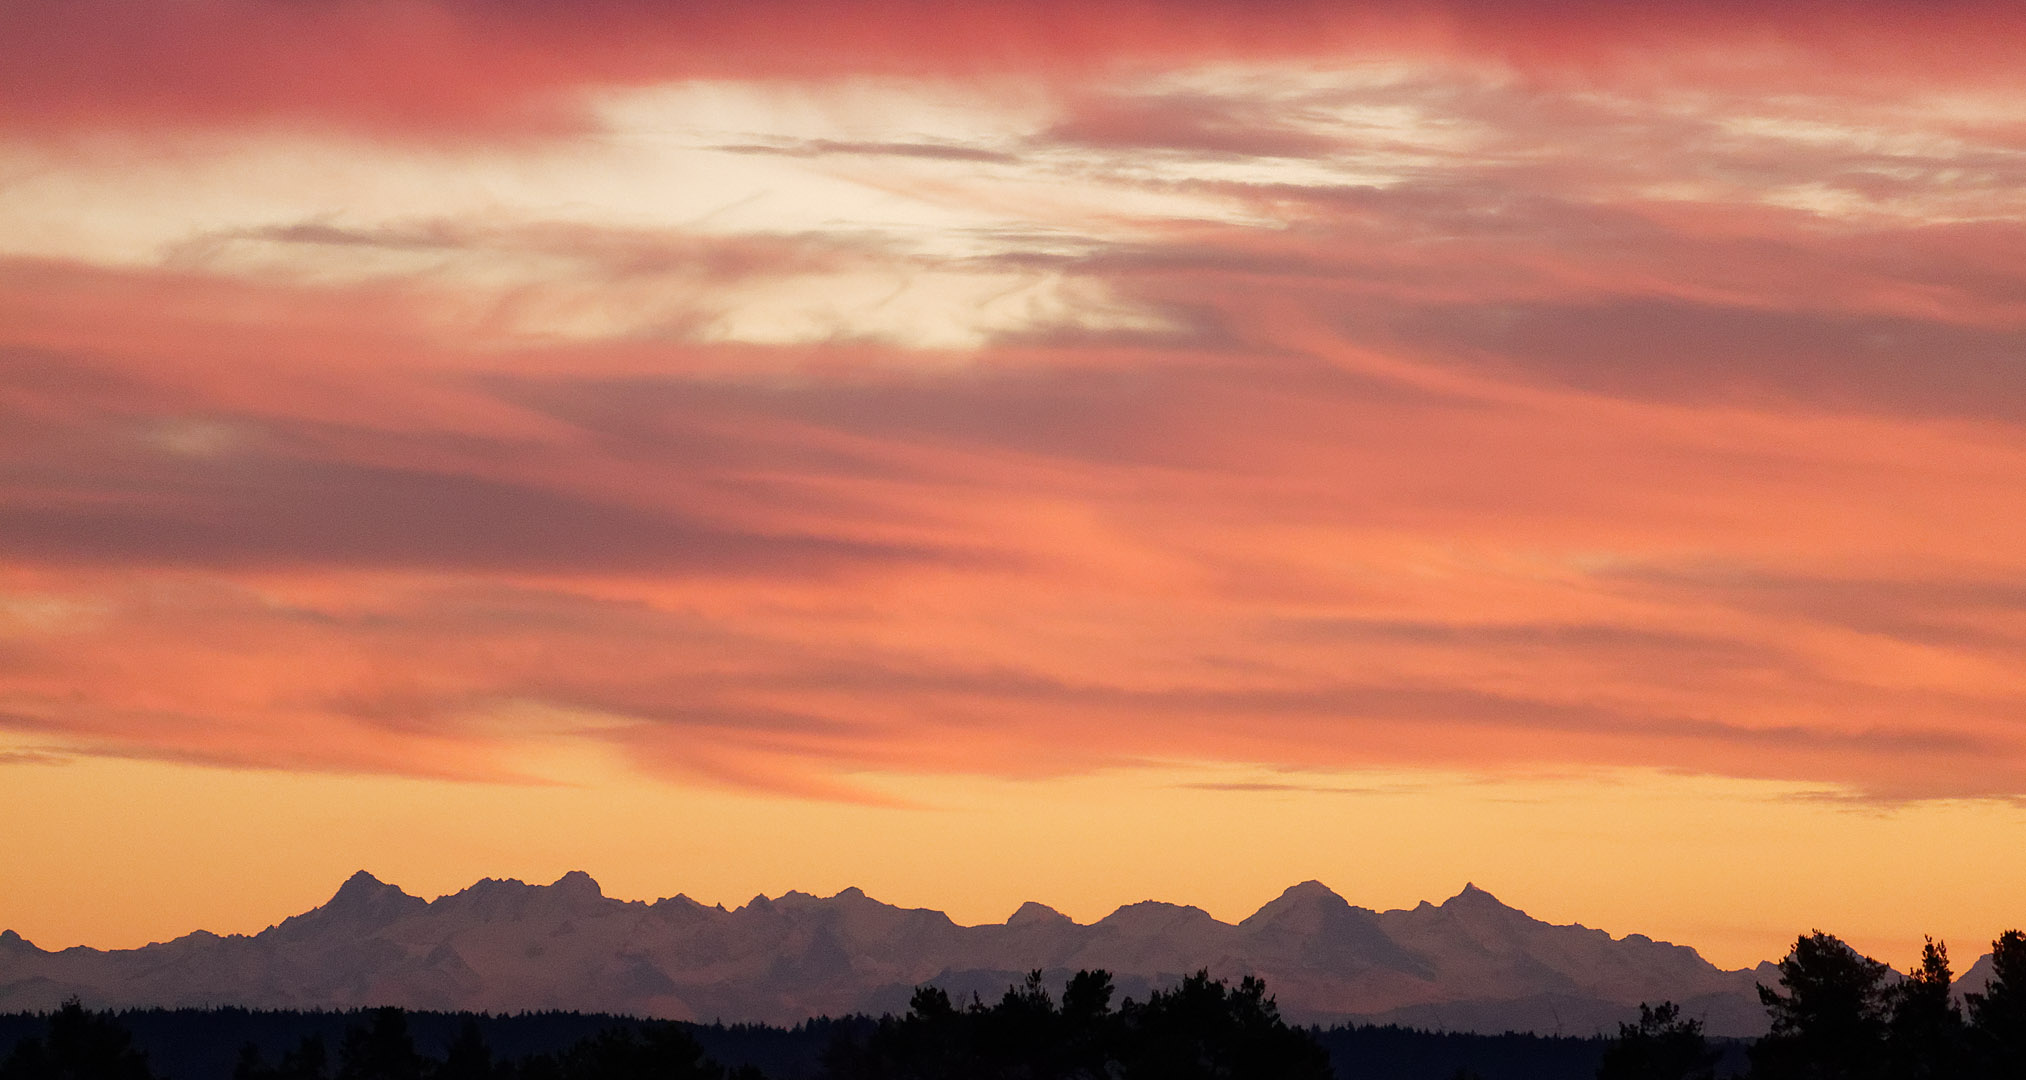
x,y
456,67
1169,385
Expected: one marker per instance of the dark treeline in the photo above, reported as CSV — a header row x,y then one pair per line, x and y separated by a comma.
x,y
1201,1028
1835,1015
1839,1015
212,1044
1370,1052
1237,1027
75,1043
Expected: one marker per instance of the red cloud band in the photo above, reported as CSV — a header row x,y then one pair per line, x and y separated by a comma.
x,y
502,69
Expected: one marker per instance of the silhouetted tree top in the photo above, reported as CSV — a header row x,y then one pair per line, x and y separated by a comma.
x,y
1925,1040
1661,1046
1202,1027
1998,1014
1205,1028
77,1044
1832,1021
1087,998
381,1050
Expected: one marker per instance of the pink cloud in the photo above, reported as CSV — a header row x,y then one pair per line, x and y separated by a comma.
x,y
923,570
1587,440
488,70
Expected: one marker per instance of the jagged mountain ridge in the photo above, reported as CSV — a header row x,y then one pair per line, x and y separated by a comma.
x,y
1469,963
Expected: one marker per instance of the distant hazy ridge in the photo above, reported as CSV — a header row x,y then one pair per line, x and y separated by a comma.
x,y
1468,964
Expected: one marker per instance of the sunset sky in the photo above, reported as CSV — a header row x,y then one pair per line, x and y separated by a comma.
x,y
1080,451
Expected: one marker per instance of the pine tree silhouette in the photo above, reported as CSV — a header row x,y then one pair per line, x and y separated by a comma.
x,y
1998,1015
1661,1046
1831,1023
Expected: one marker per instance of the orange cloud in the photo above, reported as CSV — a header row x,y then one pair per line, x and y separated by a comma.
x,y
1259,555
1447,417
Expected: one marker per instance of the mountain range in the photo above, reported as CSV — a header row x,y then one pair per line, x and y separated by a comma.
x,y
1470,963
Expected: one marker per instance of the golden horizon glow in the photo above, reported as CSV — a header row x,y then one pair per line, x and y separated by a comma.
x,y
224,851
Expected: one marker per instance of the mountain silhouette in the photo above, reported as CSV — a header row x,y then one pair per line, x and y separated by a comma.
x,y
1470,963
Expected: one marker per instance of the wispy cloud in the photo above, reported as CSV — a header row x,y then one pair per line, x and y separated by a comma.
x,y
769,410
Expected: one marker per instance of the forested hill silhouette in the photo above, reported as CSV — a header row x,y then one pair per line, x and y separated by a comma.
x,y
1469,963
1196,1028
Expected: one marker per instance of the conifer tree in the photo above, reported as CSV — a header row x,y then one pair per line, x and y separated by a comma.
x,y
1925,1037
1661,1046
1832,1021
1998,1014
